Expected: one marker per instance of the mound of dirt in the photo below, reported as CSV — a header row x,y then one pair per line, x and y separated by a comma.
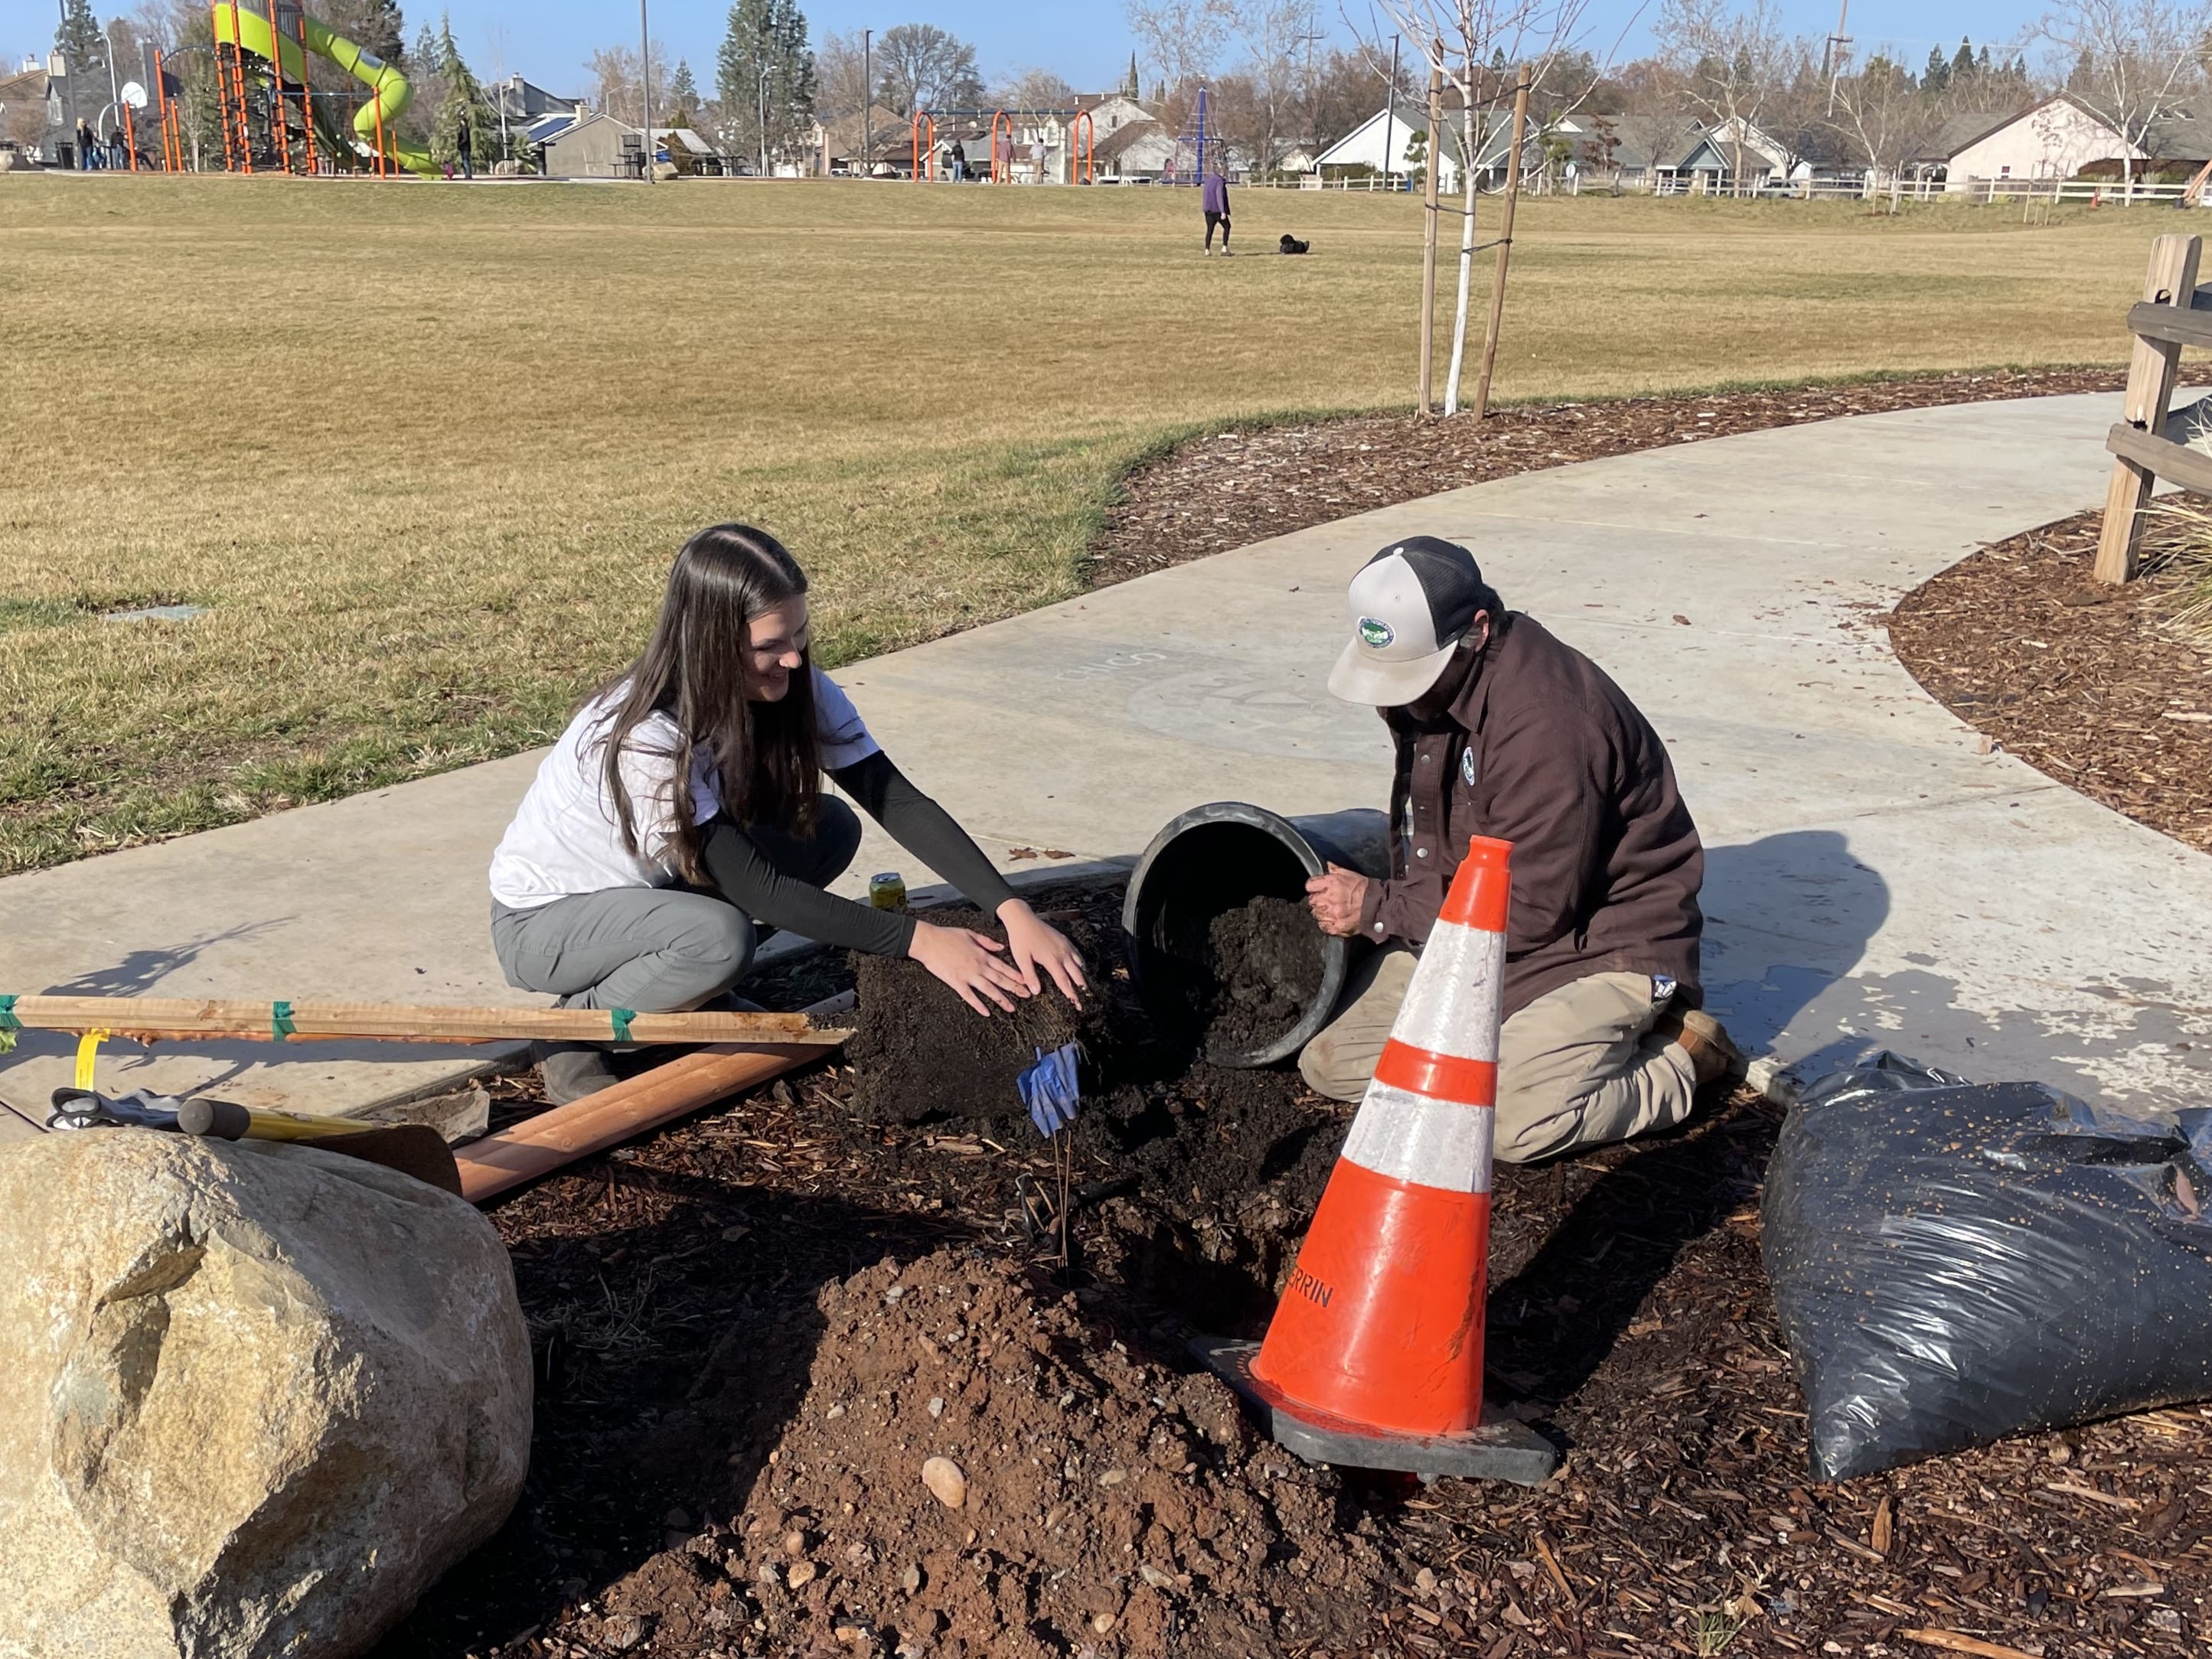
x,y
1265,959
1086,1499
920,1051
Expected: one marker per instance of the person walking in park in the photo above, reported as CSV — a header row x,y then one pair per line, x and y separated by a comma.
x,y
1503,731
461,149
86,158
1213,198
681,817
958,158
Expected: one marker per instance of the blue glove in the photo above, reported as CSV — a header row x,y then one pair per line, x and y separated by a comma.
x,y
1050,1091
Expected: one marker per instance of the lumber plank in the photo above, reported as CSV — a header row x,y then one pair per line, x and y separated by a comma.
x,y
2170,323
2176,462
236,1020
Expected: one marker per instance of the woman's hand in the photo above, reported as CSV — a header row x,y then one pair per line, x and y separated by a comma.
x,y
1034,943
970,963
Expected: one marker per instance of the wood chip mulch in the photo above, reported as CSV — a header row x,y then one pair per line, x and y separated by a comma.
x,y
1246,484
1630,1320
2089,684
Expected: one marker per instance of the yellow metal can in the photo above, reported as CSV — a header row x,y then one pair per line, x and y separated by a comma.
x,y
888,890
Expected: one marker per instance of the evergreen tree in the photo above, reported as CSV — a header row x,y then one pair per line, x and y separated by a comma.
x,y
373,25
1129,90
460,92
682,95
1962,65
1937,75
79,39
764,68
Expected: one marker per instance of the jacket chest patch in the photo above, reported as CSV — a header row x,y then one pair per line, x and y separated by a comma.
x,y
1467,766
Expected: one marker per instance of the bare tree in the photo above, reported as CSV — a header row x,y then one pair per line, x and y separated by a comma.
x,y
2128,59
920,66
1034,88
1470,42
1273,34
1887,117
840,76
1182,39
616,88
1733,63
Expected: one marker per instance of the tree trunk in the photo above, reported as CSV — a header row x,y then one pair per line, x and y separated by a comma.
x,y
1466,252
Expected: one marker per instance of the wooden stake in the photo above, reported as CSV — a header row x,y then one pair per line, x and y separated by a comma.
x,y
540,1145
1430,214
1505,245
2171,280
173,1018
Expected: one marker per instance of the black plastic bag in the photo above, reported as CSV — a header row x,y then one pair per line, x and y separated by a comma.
x,y
1954,1262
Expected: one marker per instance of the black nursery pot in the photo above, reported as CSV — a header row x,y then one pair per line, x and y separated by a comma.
x,y
1218,858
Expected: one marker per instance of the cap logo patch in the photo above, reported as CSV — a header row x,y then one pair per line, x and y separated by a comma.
x,y
1376,634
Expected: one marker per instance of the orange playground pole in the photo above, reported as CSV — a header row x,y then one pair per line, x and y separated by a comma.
x,y
377,103
237,91
925,152
1000,175
1082,149
307,99
130,139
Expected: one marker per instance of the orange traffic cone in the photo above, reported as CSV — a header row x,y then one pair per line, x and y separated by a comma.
x,y
1374,1357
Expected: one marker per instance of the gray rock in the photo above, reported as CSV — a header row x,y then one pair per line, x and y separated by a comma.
x,y
254,1399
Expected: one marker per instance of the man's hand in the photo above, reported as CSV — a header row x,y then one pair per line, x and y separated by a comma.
x,y
1336,898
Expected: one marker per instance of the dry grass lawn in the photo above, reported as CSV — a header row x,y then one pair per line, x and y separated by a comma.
x,y
425,451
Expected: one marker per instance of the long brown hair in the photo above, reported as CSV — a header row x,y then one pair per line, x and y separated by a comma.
x,y
766,756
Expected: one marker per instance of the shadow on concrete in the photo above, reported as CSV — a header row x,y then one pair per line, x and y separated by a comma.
x,y
138,972
1787,916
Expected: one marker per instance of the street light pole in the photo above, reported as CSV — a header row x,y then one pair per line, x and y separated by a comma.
x,y
867,98
762,115
645,82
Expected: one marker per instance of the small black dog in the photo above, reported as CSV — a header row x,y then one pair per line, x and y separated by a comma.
x,y
1290,244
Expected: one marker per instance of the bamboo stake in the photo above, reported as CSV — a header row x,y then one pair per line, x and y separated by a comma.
x,y
1505,246
1429,232
174,1017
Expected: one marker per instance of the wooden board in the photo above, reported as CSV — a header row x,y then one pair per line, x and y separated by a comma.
x,y
234,1020
2176,462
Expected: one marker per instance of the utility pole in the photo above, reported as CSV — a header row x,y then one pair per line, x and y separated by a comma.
x,y
645,82
1838,51
867,98
69,79
761,116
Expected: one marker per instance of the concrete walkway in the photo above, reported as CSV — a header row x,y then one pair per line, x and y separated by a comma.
x,y
1874,880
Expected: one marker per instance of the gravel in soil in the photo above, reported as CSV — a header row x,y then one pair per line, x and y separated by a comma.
x,y
2085,682
1245,484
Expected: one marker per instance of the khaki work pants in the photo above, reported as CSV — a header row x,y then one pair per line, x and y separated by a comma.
x,y
1578,1066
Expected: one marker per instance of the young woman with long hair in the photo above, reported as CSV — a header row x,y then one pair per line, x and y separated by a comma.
x,y
681,813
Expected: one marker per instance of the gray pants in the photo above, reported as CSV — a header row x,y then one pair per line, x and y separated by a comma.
x,y
659,950
1578,1066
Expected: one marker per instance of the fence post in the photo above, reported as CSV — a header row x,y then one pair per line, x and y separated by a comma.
x,y
2172,281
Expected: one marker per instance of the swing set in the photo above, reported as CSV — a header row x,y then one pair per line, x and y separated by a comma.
x,y
1083,144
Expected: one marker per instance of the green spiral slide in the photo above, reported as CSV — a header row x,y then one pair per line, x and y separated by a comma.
x,y
236,26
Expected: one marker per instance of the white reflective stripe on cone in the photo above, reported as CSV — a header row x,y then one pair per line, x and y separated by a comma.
x,y
1430,1143
1451,1007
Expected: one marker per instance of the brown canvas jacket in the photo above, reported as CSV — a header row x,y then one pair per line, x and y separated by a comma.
x,y
1542,750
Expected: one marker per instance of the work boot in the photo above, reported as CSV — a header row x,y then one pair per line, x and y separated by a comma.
x,y
570,1071
1702,1037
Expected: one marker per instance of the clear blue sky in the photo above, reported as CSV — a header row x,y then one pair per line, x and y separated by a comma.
x,y
1088,42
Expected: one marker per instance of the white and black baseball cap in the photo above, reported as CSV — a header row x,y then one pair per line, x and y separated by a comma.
x,y
1411,605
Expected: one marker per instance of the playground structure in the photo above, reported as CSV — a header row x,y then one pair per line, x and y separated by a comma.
x,y
1081,131
269,114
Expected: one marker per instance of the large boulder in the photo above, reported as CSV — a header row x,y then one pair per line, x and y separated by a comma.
x,y
254,1399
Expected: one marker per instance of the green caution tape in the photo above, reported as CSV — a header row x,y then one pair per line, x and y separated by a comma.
x,y
8,1023
280,1021
622,1019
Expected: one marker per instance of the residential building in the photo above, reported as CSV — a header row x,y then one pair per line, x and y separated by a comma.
x,y
519,99
2061,137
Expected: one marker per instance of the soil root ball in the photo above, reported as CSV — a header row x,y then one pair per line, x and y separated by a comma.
x,y
1102,1492
1265,959
920,1052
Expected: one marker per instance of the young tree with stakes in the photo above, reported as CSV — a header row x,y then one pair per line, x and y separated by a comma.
x,y
1469,43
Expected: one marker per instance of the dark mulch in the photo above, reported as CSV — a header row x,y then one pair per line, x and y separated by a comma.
x,y
2085,682
1629,1319
1245,484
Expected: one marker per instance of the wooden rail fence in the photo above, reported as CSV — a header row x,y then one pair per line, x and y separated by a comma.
x,y
2173,313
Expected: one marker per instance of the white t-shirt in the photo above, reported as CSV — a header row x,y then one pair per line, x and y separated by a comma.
x,y
566,837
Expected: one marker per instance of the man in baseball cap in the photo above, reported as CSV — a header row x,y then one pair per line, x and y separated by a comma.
x,y
1501,730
